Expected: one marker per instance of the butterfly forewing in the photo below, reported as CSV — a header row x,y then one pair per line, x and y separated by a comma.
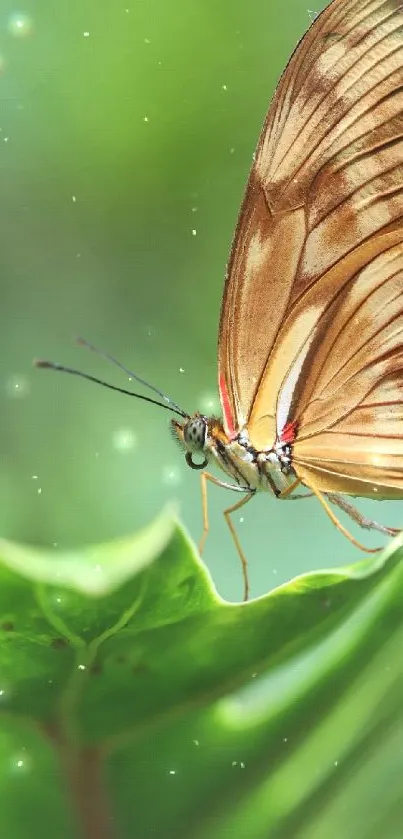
x,y
312,317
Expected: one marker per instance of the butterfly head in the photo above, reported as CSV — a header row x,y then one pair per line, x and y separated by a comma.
x,y
193,435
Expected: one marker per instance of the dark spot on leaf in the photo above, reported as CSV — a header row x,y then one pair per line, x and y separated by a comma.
x,y
96,669
187,585
59,644
121,659
140,669
7,626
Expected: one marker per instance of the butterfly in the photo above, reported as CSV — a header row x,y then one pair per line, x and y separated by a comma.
x,y
310,348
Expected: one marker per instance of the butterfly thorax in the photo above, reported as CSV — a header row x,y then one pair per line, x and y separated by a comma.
x,y
247,468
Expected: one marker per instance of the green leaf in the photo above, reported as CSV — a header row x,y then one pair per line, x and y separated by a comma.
x,y
135,701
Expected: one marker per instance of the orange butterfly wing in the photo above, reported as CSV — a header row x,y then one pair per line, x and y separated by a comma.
x,y
317,258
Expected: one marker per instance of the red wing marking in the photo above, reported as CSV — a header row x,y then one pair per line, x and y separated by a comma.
x,y
226,407
288,433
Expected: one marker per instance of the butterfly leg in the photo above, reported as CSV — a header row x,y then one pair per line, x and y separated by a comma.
x,y
204,477
363,521
337,523
227,513
285,494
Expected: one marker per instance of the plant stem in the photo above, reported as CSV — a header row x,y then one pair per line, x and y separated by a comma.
x,y
82,770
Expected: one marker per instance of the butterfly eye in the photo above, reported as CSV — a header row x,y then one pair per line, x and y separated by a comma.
x,y
194,437
194,434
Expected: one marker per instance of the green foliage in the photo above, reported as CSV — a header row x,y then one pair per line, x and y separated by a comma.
x,y
135,702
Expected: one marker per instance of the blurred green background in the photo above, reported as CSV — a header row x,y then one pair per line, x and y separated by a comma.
x,y
126,135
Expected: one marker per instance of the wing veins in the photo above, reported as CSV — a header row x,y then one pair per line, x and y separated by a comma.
x,y
368,201
327,94
361,347
349,411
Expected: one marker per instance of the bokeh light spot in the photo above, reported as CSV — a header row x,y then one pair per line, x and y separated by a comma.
x,y
172,475
209,403
124,440
20,25
17,386
21,762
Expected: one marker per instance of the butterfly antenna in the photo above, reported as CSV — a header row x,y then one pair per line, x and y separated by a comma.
x,y
51,365
84,343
